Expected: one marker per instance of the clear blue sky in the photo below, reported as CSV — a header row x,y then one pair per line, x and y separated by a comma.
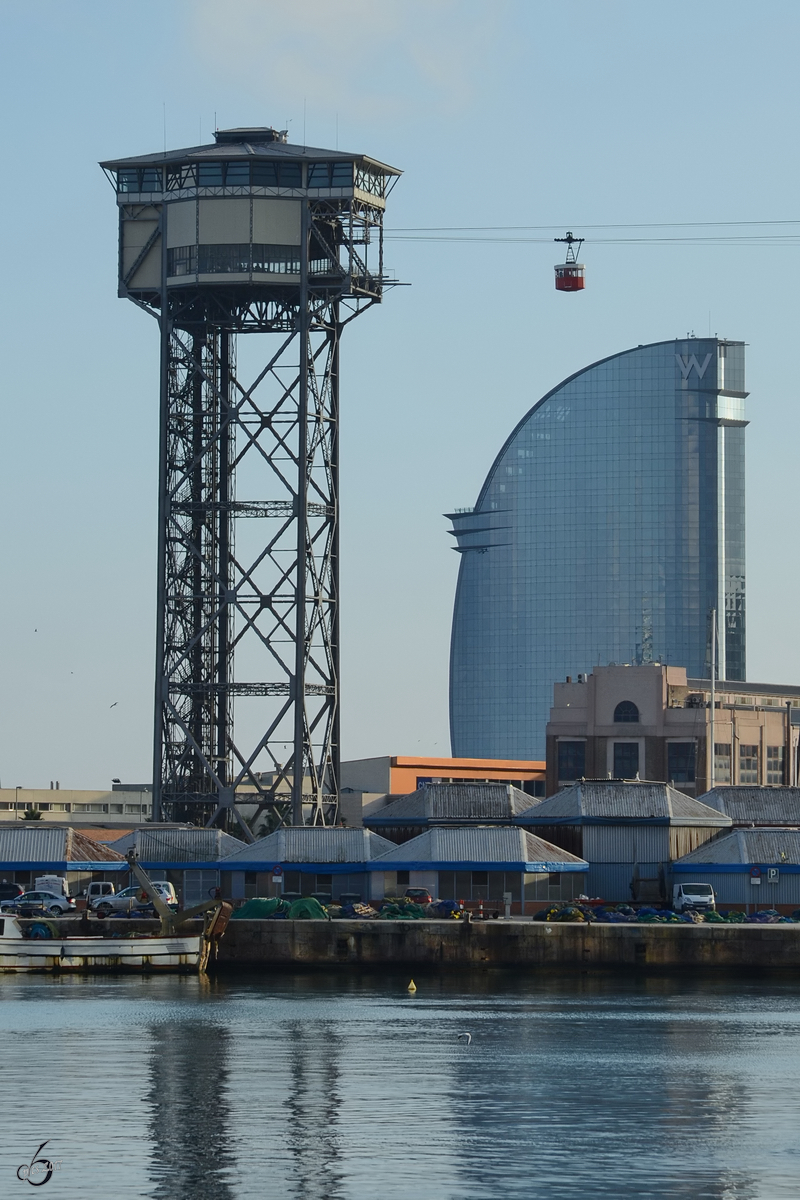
x,y
585,112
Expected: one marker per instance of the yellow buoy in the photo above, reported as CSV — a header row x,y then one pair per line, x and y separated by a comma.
x,y
412,987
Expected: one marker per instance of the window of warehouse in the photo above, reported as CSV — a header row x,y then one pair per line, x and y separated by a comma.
x,y
198,886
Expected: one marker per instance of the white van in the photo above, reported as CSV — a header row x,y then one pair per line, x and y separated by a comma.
x,y
56,884
96,892
699,896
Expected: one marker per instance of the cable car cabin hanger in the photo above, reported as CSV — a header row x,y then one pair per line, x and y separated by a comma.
x,y
570,275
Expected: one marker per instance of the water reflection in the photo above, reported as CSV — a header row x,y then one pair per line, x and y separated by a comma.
x,y
582,1092
341,1087
313,1105
191,1153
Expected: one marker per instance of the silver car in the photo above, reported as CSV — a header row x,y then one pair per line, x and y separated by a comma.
x,y
131,898
55,905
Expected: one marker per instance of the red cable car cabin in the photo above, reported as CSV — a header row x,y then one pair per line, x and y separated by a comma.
x,y
570,277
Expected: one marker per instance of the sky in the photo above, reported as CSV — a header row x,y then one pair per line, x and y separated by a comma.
x,y
575,115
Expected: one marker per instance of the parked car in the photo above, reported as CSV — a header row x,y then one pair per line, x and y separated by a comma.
x,y
10,891
418,895
133,898
55,905
96,892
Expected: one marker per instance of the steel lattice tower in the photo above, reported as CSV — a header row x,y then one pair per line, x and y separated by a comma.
x,y
249,236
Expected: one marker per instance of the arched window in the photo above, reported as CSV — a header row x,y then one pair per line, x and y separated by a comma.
x,y
626,712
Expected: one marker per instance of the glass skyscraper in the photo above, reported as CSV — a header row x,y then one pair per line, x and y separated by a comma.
x,y
609,527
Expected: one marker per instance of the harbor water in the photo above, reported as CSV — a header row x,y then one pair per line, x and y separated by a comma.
x,y
339,1085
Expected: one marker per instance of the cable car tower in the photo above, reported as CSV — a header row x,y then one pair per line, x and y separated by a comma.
x,y
570,275
249,236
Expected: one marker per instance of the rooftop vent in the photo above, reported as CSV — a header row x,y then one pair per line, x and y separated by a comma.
x,y
257,134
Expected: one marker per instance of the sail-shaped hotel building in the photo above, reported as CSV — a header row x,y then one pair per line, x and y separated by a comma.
x,y
609,527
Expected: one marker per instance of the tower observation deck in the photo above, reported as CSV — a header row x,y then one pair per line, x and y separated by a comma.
x,y
249,236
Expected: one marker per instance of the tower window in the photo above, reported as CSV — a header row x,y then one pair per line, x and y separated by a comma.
x,y
237,174
330,174
151,179
146,179
209,174
275,174
626,712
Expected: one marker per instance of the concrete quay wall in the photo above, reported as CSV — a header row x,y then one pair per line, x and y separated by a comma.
x,y
506,944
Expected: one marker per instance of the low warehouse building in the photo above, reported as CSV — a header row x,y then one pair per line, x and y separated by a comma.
x,y
448,804
327,861
28,851
748,869
186,856
629,832
483,863
748,806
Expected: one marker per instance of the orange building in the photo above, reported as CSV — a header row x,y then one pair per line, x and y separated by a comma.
x,y
399,774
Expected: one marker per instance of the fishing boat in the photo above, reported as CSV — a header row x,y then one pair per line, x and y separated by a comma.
x,y
26,947
41,945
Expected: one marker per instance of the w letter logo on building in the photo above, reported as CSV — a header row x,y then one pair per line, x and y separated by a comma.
x,y
685,364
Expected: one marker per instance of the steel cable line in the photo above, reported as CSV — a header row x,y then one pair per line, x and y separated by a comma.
x,y
543,228
518,233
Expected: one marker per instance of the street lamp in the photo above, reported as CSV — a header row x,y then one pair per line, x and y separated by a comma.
x,y
17,791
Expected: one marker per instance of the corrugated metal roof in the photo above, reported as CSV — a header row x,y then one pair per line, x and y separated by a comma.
x,y
156,845
454,802
104,834
611,799
49,844
480,844
762,805
745,846
312,843
81,848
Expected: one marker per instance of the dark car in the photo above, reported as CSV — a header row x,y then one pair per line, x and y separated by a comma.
x,y
418,895
10,891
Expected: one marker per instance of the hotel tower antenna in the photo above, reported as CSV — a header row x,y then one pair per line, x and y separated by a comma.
x,y
249,236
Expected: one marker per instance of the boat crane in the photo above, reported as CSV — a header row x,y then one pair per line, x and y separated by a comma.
x,y
570,275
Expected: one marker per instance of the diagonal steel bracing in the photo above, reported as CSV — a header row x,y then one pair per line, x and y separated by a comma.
x,y
250,575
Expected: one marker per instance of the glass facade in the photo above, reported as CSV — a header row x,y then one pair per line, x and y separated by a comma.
x,y
610,524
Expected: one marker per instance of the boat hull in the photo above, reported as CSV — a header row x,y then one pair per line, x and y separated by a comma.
x,y
142,955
